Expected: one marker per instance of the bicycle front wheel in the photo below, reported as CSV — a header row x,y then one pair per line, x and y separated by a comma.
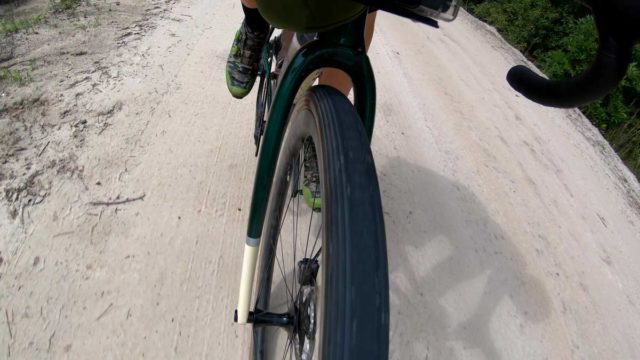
x,y
325,266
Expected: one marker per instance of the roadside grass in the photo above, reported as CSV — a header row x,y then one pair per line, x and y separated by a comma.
x,y
15,76
626,142
63,5
18,76
12,25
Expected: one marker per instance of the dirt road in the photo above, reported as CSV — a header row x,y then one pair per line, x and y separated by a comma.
x,y
513,230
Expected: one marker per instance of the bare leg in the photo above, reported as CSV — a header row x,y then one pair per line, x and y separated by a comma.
x,y
338,79
251,4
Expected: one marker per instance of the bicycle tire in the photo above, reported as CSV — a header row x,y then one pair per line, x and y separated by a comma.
x,y
354,303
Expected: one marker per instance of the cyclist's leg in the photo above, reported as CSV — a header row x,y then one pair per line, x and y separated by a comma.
x,y
254,20
242,63
338,79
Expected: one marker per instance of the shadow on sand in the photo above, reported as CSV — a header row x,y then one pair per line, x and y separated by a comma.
x,y
450,268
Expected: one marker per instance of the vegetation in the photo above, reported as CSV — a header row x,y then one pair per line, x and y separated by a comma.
x,y
12,25
63,5
9,24
559,36
15,76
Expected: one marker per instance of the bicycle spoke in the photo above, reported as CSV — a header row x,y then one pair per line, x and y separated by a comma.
x,y
311,220
282,272
309,230
295,232
288,347
316,241
294,240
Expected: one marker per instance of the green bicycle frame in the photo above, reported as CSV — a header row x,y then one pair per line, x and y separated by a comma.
x,y
342,48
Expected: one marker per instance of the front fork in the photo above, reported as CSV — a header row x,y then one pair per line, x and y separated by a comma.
x,y
249,262
341,48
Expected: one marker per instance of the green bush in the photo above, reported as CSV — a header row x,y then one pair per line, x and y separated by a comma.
x,y
63,5
12,25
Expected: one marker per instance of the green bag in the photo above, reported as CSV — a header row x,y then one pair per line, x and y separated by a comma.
x,y
308,15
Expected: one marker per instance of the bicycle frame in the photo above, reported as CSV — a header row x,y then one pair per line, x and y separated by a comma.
x,y
342,48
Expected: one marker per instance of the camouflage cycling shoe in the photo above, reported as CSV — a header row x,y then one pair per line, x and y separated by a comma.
x,y
242,64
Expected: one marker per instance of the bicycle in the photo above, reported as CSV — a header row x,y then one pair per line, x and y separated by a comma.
x,y
333,301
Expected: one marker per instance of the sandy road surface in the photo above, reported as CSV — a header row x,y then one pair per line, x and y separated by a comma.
x,y
512,229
